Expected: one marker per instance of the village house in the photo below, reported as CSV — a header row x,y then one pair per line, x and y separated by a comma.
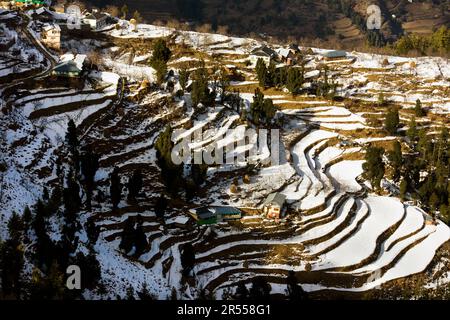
x,y
273,205
70,67
286,56
96,20
215,214
265,53
21,3
334,55
51,36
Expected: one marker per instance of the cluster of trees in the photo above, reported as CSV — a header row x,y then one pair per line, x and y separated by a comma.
x,y
133,236
392,119
50,259
438,42
262,111
260,289
293,78
325,87
422,174
201,92
290,77
160,57
134,186
426,170
171,173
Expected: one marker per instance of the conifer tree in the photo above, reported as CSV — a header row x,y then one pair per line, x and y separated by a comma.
x,y
374,168
128,236
134,185
392,121
241,292
89,166
115,188
183,78
187,258
261,72
418,110
260,289
160,207
396,161
412,132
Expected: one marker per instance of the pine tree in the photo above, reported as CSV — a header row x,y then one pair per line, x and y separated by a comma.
x,y
396,161
16,226
72,136
171,173
183,78
115,188
128,235
241,292
403,189
161,70
72,205
130,293
187,258
374,168
141,242
27,217
89,166
392,121
381,99
418,110
200,91
160,52
412,132
260,289
295,292
92,231
294,80
160,207
262,110
145,294
12,258
91,270
134,185
261,72
50,286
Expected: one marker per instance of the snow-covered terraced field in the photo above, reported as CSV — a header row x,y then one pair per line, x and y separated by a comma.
x,y
337,235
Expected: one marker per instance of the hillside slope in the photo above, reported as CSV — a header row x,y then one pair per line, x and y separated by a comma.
x,y
323,19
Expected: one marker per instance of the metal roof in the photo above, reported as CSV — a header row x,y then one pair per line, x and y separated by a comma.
x,y
275,198
263,51
67,67
335,54
226,210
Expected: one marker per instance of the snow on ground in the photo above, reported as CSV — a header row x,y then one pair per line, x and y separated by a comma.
x,y
345,173
384,212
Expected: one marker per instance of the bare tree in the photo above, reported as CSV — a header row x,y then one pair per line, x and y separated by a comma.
x,y
114,11
95,58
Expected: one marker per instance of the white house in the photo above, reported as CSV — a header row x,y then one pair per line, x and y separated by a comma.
x,y
51,36
265,53
96,20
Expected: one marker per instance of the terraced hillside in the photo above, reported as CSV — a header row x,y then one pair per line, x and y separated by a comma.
x,y
339,237
297,19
